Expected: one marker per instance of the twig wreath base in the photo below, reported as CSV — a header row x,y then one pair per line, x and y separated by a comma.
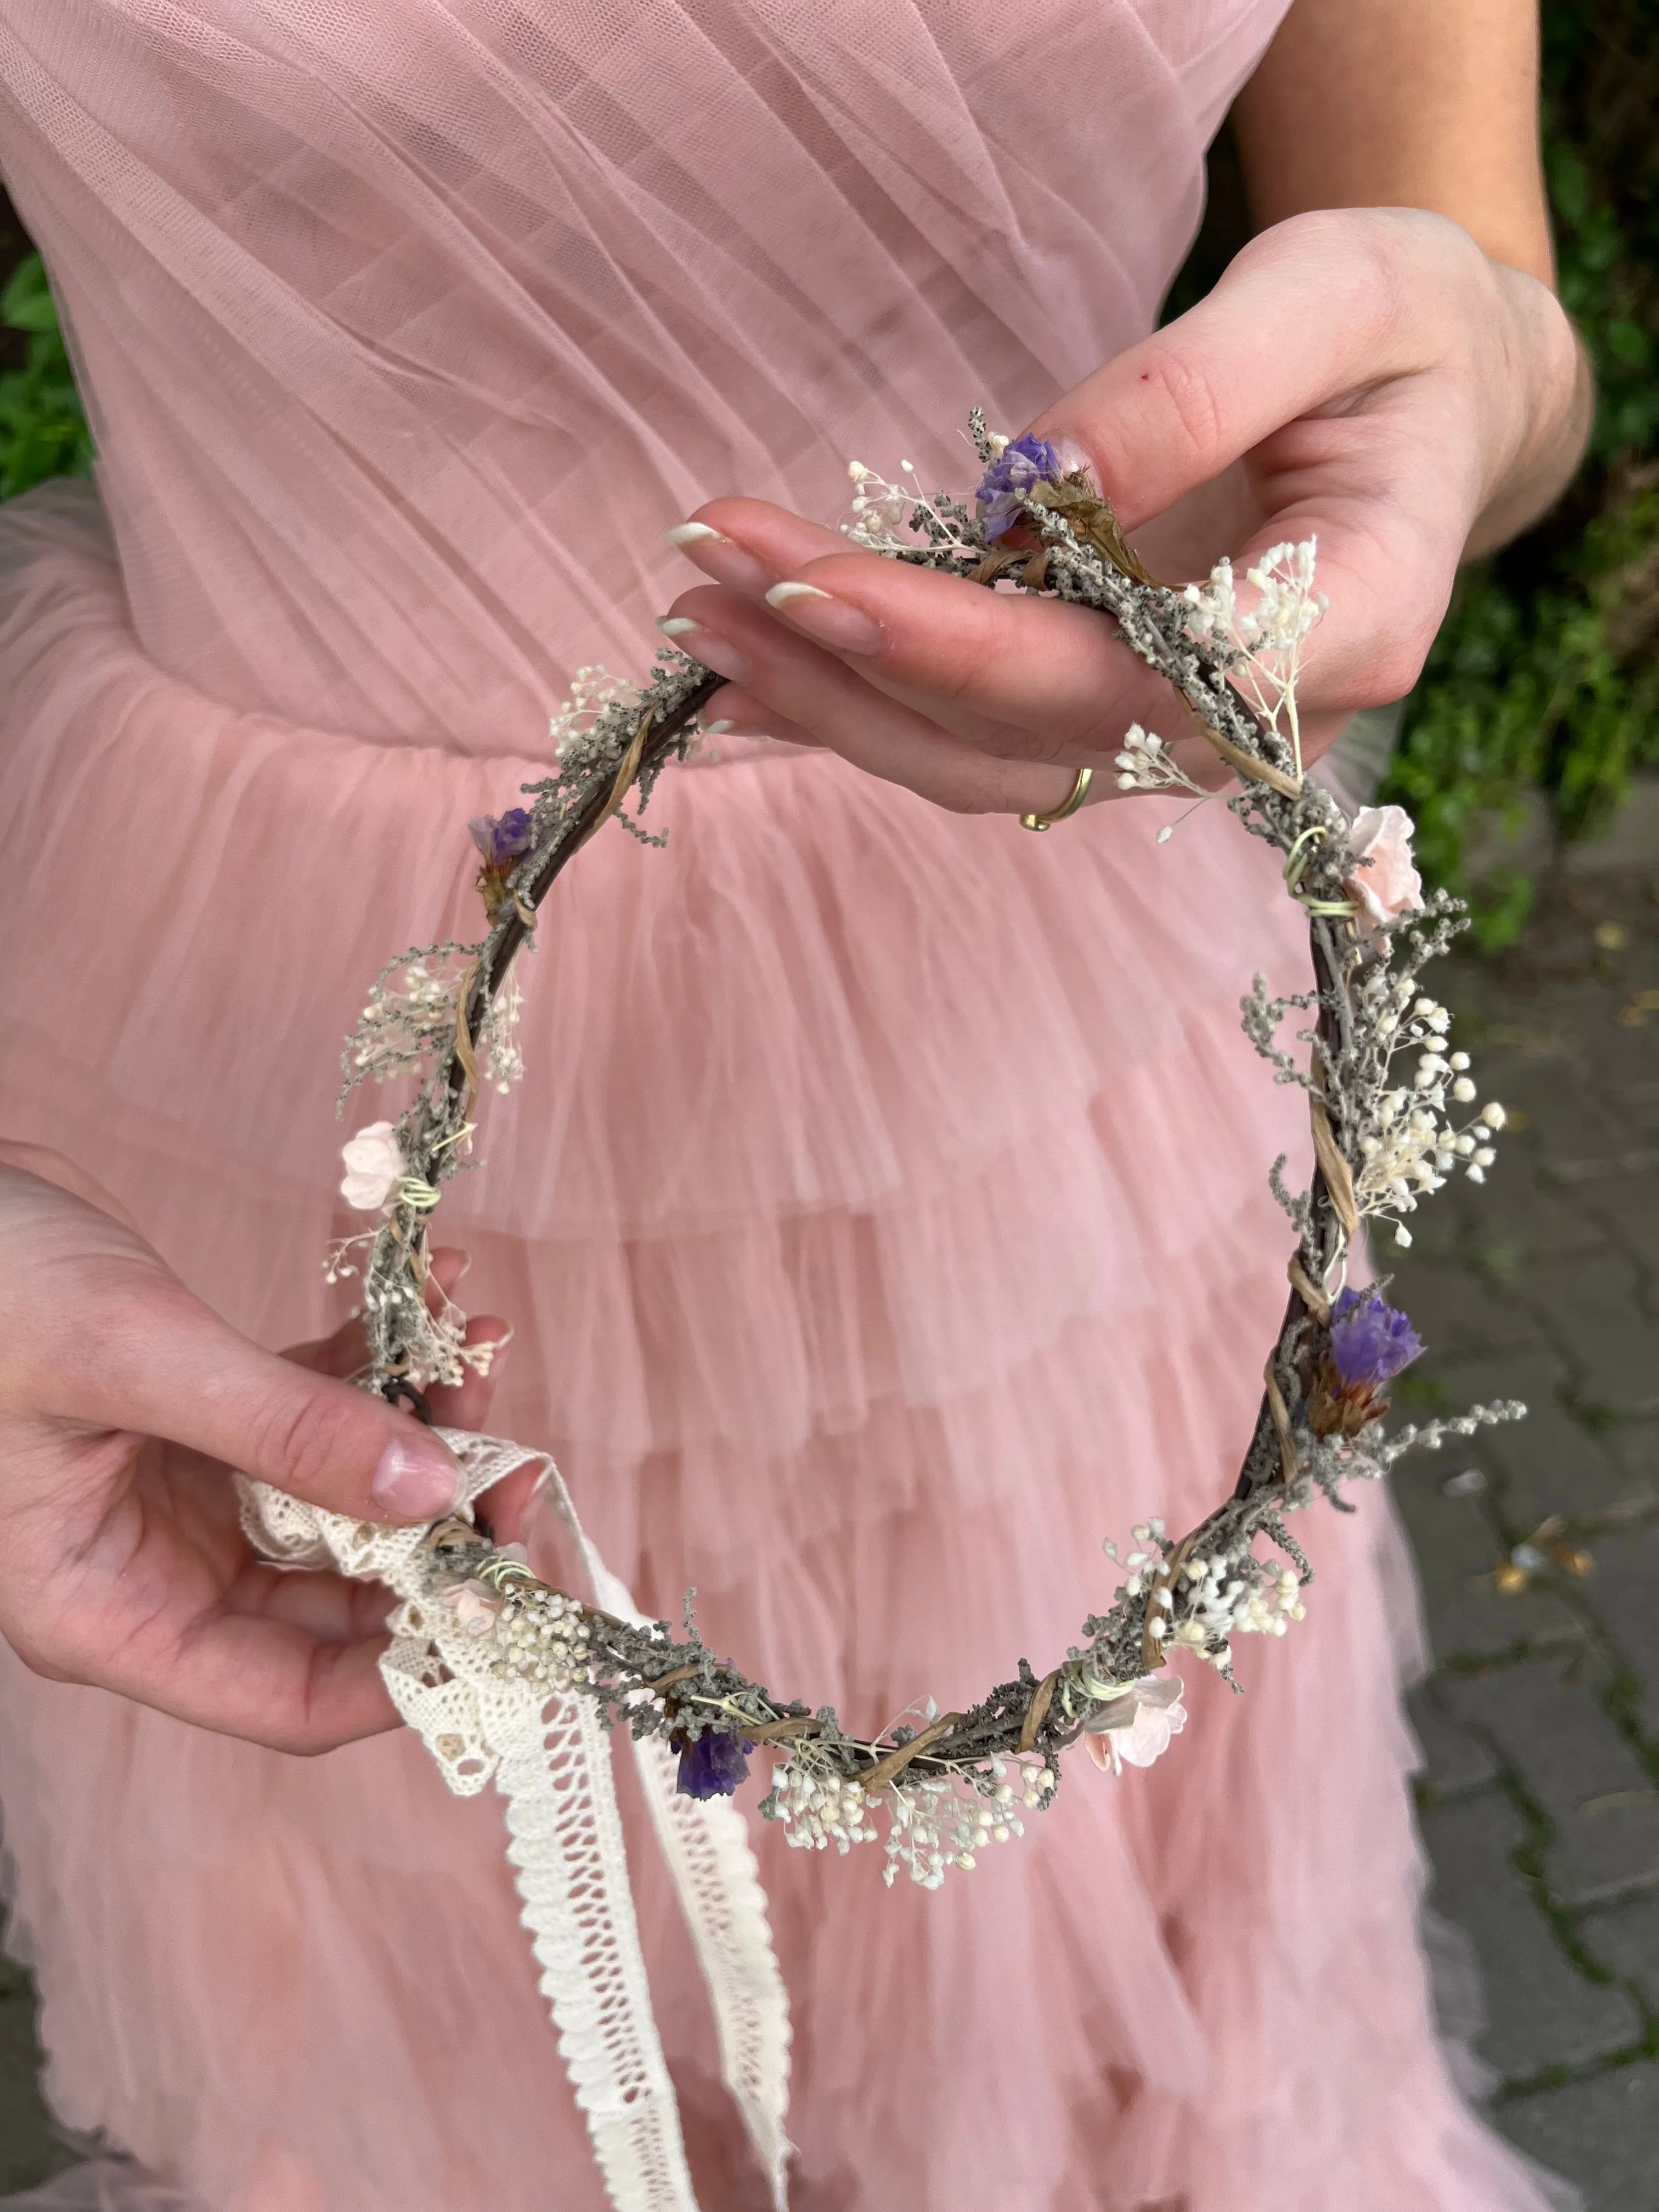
x,y
948,1783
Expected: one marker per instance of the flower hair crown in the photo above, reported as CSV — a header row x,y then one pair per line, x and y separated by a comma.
x,y
1391,1114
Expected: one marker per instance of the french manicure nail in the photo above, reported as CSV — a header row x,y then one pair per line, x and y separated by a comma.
x,y
720,558
416,1480
827,620
716,652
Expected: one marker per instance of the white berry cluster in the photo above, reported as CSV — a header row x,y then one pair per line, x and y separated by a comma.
x,y
500,1055
540,1637
409,1015
885,515
1413,1138
940,1821
935,1821
1267,637
1287,610
1212,1597
819,1807
1235,1594
1145,764
593,690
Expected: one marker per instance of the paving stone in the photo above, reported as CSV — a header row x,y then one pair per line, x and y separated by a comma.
x,y
1548,1723
1630,842
1639,1099
1458,1312
1456,1550
1593,1307
1625,1937
1454,1761
1540,2010
1634,1446
1624,1595
1602,2134
1509,1224
1567,1118
1548,1463
1626,1207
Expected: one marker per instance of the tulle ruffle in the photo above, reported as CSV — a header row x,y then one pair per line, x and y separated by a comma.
x,y
883,1217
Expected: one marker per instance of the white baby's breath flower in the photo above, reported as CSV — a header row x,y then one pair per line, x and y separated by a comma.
x,y
375,1167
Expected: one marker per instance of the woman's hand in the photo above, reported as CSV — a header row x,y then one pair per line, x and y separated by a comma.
x,y
1367,376
124,1403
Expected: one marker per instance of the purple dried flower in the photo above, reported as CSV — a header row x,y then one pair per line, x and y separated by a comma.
x,y
1370,1341
502,838
713,1766
1002,493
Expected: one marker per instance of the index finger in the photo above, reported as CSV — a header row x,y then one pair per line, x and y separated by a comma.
x,y
999,669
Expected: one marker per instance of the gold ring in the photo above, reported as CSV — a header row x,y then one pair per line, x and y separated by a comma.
x,y
1079,792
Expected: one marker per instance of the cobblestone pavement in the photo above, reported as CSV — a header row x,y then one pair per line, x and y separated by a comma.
x,y
1539,1798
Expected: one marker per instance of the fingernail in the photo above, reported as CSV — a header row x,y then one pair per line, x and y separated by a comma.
x,y
416,1480
717,729
716,652
500,1347
826,620
719,557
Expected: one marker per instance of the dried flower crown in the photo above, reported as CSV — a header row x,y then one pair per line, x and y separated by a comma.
x,y
446,1014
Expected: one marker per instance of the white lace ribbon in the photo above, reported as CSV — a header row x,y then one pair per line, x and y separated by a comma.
x,y
550,1760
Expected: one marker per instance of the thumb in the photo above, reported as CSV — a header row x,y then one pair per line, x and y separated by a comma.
x,y
1307,312
99,1332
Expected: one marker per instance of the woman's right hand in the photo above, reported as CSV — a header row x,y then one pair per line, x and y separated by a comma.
x,y
124,1403
1368,378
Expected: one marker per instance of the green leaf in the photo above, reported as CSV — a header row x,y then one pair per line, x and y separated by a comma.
x,y
26,303
1569,183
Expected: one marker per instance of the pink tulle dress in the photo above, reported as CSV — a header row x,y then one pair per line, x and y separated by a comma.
x,y
885,1214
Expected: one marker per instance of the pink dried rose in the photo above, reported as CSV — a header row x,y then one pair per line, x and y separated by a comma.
x,y
1390,885
474,1605
1137,1725
375,1167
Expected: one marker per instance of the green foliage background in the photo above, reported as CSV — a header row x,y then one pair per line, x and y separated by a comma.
x,y
42,431
1543,677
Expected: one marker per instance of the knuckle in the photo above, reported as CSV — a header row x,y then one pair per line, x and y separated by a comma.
x,y
53,1651
1397,663
1183,386
304,1435
1384,666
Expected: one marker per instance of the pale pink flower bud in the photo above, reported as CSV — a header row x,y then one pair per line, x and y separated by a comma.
x,y
1137,1727
1390,885
375,1167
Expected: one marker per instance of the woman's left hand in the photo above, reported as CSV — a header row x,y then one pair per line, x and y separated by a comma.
x,y
1368,378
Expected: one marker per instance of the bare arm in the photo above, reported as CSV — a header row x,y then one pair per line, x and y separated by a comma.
x,y
1403,103
1420,104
